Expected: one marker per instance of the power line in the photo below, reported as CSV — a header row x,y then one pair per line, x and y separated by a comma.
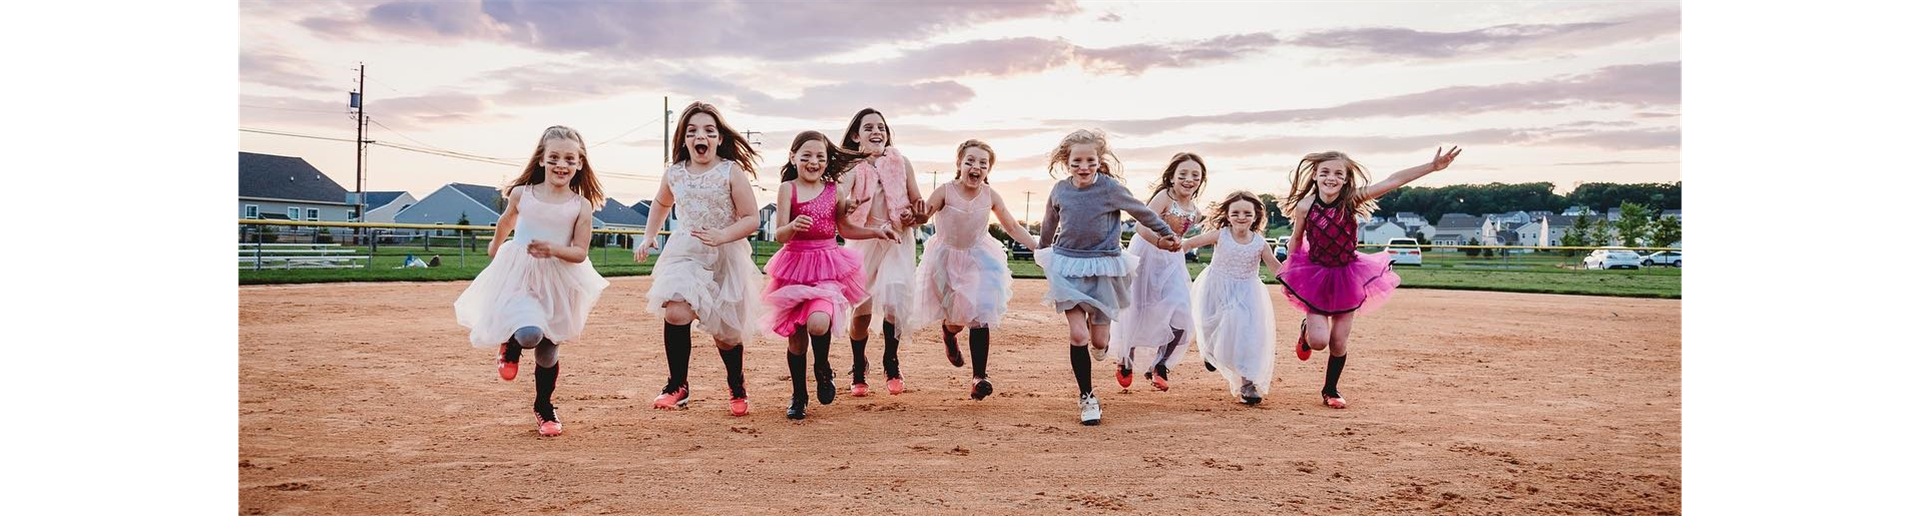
x,y
630,131
295,135
255,106
434,147
445,154
480,159
395,132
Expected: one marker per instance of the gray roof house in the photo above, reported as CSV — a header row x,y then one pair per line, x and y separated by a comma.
x,y
480,204
1457,228
289,188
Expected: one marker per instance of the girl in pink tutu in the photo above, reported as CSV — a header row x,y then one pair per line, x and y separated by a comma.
x,y
538,289
815,281
1324,276
965,282
884,195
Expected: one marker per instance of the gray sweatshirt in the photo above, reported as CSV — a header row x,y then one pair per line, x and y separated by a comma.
x,y
1088,218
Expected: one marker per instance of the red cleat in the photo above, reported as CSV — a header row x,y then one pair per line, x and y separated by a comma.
x,y
508,368
738,406
674,399
1124,376
859,390
549,423
896,386
1300,347
1159,381
1334,401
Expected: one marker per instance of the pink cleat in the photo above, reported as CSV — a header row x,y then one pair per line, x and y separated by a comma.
x,y
738,406
674,399
508,368
549,424
896,386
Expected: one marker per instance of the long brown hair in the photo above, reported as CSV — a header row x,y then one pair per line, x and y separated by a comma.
x,y
1166,177
732,146
838,159
1348,200
584,182
1219,217
851,139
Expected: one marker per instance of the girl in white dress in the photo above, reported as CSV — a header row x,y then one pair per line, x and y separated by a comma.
x,y
1157,322
1232,307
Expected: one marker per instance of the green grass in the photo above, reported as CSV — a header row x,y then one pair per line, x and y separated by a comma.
x,y
610,262
1535,273
1654,283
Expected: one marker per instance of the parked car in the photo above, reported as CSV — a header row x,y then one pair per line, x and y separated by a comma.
x,y
1280,246
1404,251
1019,252
1612,259
1667,258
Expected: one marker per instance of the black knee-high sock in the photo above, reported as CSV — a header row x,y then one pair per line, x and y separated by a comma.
x,y
1334,366
679,351
736,378
513,350
821,345
544,380
1083,369
823,369
859,360
891,358
797,367
977,343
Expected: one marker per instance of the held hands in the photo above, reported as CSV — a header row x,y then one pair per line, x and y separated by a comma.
x,y
799,224
918,213
1172,242
540,249
889,235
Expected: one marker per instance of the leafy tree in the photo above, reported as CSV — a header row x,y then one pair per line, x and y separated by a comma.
x,y
1666,231
1636,224
1474,252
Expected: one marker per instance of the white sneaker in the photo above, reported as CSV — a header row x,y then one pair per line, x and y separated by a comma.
x,y
1089,409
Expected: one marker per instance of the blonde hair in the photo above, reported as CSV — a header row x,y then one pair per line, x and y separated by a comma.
x,y
1109,163
584,182
960,154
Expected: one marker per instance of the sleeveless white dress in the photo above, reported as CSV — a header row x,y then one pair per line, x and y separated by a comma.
x,y
517,290
1235,314
722,284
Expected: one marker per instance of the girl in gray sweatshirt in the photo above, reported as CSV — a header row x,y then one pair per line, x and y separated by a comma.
x,y
1088,278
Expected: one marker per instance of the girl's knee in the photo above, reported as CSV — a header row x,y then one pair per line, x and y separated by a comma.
x,y
818,324
528,337
679,313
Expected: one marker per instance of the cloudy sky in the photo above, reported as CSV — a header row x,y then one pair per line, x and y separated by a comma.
x,y
1561,92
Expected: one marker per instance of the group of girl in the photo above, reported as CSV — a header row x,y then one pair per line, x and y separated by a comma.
x,y
537,291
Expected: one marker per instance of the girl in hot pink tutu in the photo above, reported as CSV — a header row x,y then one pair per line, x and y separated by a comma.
x,y
814,280
1324,276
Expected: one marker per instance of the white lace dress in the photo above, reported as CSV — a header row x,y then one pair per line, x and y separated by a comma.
x,y
1162,293
722,284
1235,314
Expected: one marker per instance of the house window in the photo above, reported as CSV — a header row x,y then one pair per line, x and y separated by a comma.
x,y
253,211
313,214
293,213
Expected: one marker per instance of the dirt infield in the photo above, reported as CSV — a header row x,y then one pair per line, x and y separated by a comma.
x,y
366,399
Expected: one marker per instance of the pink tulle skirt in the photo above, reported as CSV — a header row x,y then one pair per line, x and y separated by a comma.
x,y
1359,287
809,276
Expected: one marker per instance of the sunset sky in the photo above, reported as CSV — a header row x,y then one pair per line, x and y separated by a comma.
x,y
1560,92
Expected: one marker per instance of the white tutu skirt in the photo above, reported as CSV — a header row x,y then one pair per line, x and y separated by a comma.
x,y
517,290
1102,285
964,286
890,270
1235,317
1162,300
722,285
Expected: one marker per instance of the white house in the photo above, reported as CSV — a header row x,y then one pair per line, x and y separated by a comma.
x,y
1381,232
382,206
1414,223
1514,218
768,219
1456,229
1492,225
1545,231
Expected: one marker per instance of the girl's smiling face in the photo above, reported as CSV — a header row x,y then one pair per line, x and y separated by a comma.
x,y
974,166
1084,161
1240,214
873,134
1331,175
703,136
1187,177
811,160
562,159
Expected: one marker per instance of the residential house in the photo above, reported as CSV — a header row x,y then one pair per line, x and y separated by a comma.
x,y
1415,224
614,215
1381,232
1456,229
382,206
1545,231
288,188
480,205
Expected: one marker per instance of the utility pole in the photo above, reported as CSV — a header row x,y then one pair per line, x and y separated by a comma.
x,y
358,101
1028,217
666,132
